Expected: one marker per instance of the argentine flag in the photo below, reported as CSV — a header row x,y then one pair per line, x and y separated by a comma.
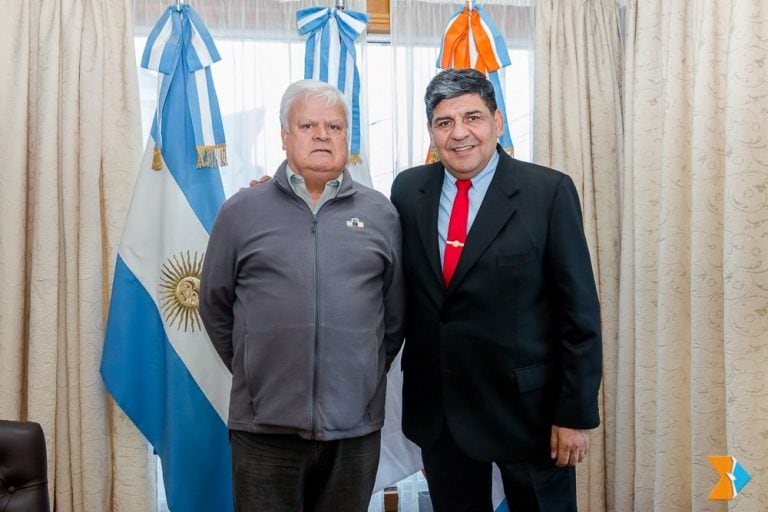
x,y
330,57
158,362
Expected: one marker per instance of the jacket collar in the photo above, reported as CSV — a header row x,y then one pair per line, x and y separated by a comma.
x,y
348,185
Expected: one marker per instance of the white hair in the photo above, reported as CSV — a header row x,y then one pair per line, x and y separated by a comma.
x,y
306,89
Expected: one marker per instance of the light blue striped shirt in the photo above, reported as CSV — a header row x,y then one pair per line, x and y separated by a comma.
x,y
476,195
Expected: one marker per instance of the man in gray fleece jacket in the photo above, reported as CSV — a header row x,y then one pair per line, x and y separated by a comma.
x,y
302,295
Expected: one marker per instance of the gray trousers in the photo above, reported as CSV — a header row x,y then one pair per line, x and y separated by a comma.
x,y
285,473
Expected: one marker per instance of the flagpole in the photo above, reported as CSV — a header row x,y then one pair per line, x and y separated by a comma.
x,y
340,5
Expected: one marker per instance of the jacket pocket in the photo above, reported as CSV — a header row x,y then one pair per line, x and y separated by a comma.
x,y
518,258
533,377
349,374
277,367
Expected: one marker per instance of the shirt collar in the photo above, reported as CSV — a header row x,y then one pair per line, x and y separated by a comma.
x,y
295,178
488,170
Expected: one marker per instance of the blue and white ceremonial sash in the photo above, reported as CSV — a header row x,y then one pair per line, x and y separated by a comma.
x,y
330,57
471,40
157,362
181,43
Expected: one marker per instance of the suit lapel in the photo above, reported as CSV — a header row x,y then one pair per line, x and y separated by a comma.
x,y
426,218
498,206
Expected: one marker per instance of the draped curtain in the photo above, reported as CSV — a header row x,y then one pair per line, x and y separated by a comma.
x,y
692,353
577,129
70,139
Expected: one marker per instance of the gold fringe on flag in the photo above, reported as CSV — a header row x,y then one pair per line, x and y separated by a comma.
x,y
354,159
209,156
510,150
157,159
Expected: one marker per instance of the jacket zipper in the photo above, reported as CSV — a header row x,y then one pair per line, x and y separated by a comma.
x,y
317,329
312,407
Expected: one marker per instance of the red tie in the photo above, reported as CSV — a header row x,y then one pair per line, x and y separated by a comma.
x,y
457,229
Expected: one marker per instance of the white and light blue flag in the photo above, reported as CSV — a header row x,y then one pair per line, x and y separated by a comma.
x,y
158,362
330,57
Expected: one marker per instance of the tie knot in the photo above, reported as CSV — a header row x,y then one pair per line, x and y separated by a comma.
x,y
463,185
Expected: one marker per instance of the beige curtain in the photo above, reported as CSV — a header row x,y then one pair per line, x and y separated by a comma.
x,y
70,141
577,129
692,377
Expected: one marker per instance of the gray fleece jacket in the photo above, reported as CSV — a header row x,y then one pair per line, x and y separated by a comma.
x,y
305,310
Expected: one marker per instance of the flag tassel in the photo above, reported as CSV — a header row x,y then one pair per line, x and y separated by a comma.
x,y
157,159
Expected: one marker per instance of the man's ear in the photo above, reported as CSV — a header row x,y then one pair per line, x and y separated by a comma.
x,y
284,137
498,119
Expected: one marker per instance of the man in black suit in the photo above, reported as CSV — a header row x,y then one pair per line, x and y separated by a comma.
x,y
502,359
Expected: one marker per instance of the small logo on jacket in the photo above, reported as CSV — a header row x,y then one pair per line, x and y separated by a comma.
x,y
733,477
354,222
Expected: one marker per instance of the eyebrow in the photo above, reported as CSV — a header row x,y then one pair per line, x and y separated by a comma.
x,y
463,114
316,121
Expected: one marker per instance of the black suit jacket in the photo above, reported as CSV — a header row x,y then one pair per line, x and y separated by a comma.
x,y
513,345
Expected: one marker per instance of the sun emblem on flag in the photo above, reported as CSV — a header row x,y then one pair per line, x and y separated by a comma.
x,y
180,290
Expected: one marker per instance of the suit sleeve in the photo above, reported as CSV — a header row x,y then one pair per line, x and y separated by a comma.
x,y
217,285
568,262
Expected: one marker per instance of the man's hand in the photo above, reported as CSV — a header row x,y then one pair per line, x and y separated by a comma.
x,y
260,181
568,445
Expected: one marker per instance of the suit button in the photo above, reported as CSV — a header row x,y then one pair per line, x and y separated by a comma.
x,y
11,489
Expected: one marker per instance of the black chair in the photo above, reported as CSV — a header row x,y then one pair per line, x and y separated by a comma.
x,y
23,467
